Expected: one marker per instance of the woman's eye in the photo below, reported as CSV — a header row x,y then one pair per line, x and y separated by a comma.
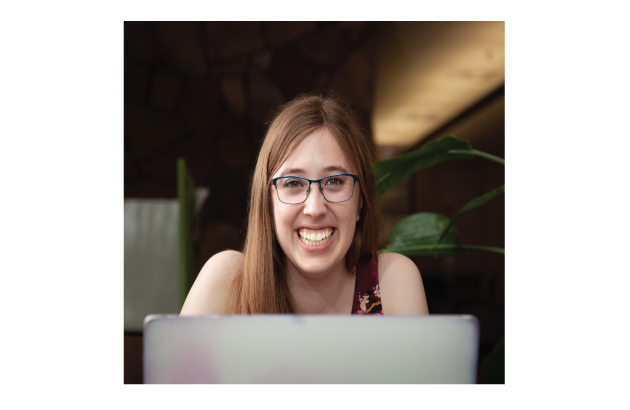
x,y
292,184
334,181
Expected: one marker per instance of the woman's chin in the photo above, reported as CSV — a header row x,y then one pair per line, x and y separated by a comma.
x,y
315,267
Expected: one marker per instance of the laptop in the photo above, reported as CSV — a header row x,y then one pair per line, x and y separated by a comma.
x,y
308,349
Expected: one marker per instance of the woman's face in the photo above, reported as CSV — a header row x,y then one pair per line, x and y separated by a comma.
x,y
317,156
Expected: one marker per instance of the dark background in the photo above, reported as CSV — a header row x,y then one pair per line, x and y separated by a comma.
x,y
206,90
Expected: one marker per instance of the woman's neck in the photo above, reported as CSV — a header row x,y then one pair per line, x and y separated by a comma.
x,y
330,293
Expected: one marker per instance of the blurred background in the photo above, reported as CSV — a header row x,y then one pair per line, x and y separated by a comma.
x,y
205,91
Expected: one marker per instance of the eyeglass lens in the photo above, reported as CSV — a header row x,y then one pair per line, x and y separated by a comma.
x,y
337,188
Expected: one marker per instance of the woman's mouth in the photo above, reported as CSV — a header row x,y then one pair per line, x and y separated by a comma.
x,y
315,237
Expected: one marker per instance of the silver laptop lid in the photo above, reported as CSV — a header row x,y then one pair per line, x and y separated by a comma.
x,y
310,349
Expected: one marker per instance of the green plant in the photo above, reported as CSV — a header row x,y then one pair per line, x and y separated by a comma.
x,y
433,235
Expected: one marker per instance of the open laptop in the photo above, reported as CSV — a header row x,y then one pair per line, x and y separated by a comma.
x,y
310,349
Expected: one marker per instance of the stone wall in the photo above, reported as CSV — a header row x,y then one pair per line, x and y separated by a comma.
x,y
205,91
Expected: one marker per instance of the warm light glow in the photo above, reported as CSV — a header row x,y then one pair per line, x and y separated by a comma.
x,y
430,72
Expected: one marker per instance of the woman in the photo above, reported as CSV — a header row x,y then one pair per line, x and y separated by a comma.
x,y
313,228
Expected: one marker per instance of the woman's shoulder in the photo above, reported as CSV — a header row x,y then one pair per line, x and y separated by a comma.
x,y
392,264
209,293
225,259
400,282
220,268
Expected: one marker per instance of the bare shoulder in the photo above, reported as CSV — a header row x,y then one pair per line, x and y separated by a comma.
x,y
208,295
402,292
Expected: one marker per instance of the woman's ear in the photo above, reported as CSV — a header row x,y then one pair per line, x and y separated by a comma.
x,y
360,206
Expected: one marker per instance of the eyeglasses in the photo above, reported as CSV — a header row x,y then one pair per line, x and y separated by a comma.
x,y
293,190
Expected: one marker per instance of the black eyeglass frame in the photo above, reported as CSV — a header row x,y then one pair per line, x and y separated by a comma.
x,y
319,182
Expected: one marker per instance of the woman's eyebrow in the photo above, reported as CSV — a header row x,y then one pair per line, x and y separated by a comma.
x,y
332,168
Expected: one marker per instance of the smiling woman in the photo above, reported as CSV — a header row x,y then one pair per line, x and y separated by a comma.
x,y
313,228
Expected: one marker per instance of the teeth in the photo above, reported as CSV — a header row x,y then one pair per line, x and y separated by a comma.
x,y
315,238
316,235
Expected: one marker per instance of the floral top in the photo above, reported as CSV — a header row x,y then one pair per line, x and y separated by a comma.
x,y
367,292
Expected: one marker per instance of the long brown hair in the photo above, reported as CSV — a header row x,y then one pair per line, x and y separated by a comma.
x,y
260,285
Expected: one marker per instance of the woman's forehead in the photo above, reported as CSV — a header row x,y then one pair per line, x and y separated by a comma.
x,y
329,170
317,154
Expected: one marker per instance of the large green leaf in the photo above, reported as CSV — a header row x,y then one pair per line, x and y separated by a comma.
x,y
480,200
481,154
492,367
416,235
393,171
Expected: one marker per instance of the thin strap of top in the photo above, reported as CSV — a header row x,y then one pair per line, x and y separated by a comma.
x,y
367,292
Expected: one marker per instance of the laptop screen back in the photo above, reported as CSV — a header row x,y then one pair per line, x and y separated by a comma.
x,y
310,349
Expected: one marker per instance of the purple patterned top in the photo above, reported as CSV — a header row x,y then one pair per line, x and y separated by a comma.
x,y
367,292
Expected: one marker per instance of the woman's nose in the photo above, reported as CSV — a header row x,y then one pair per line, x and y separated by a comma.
x,y
315,204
